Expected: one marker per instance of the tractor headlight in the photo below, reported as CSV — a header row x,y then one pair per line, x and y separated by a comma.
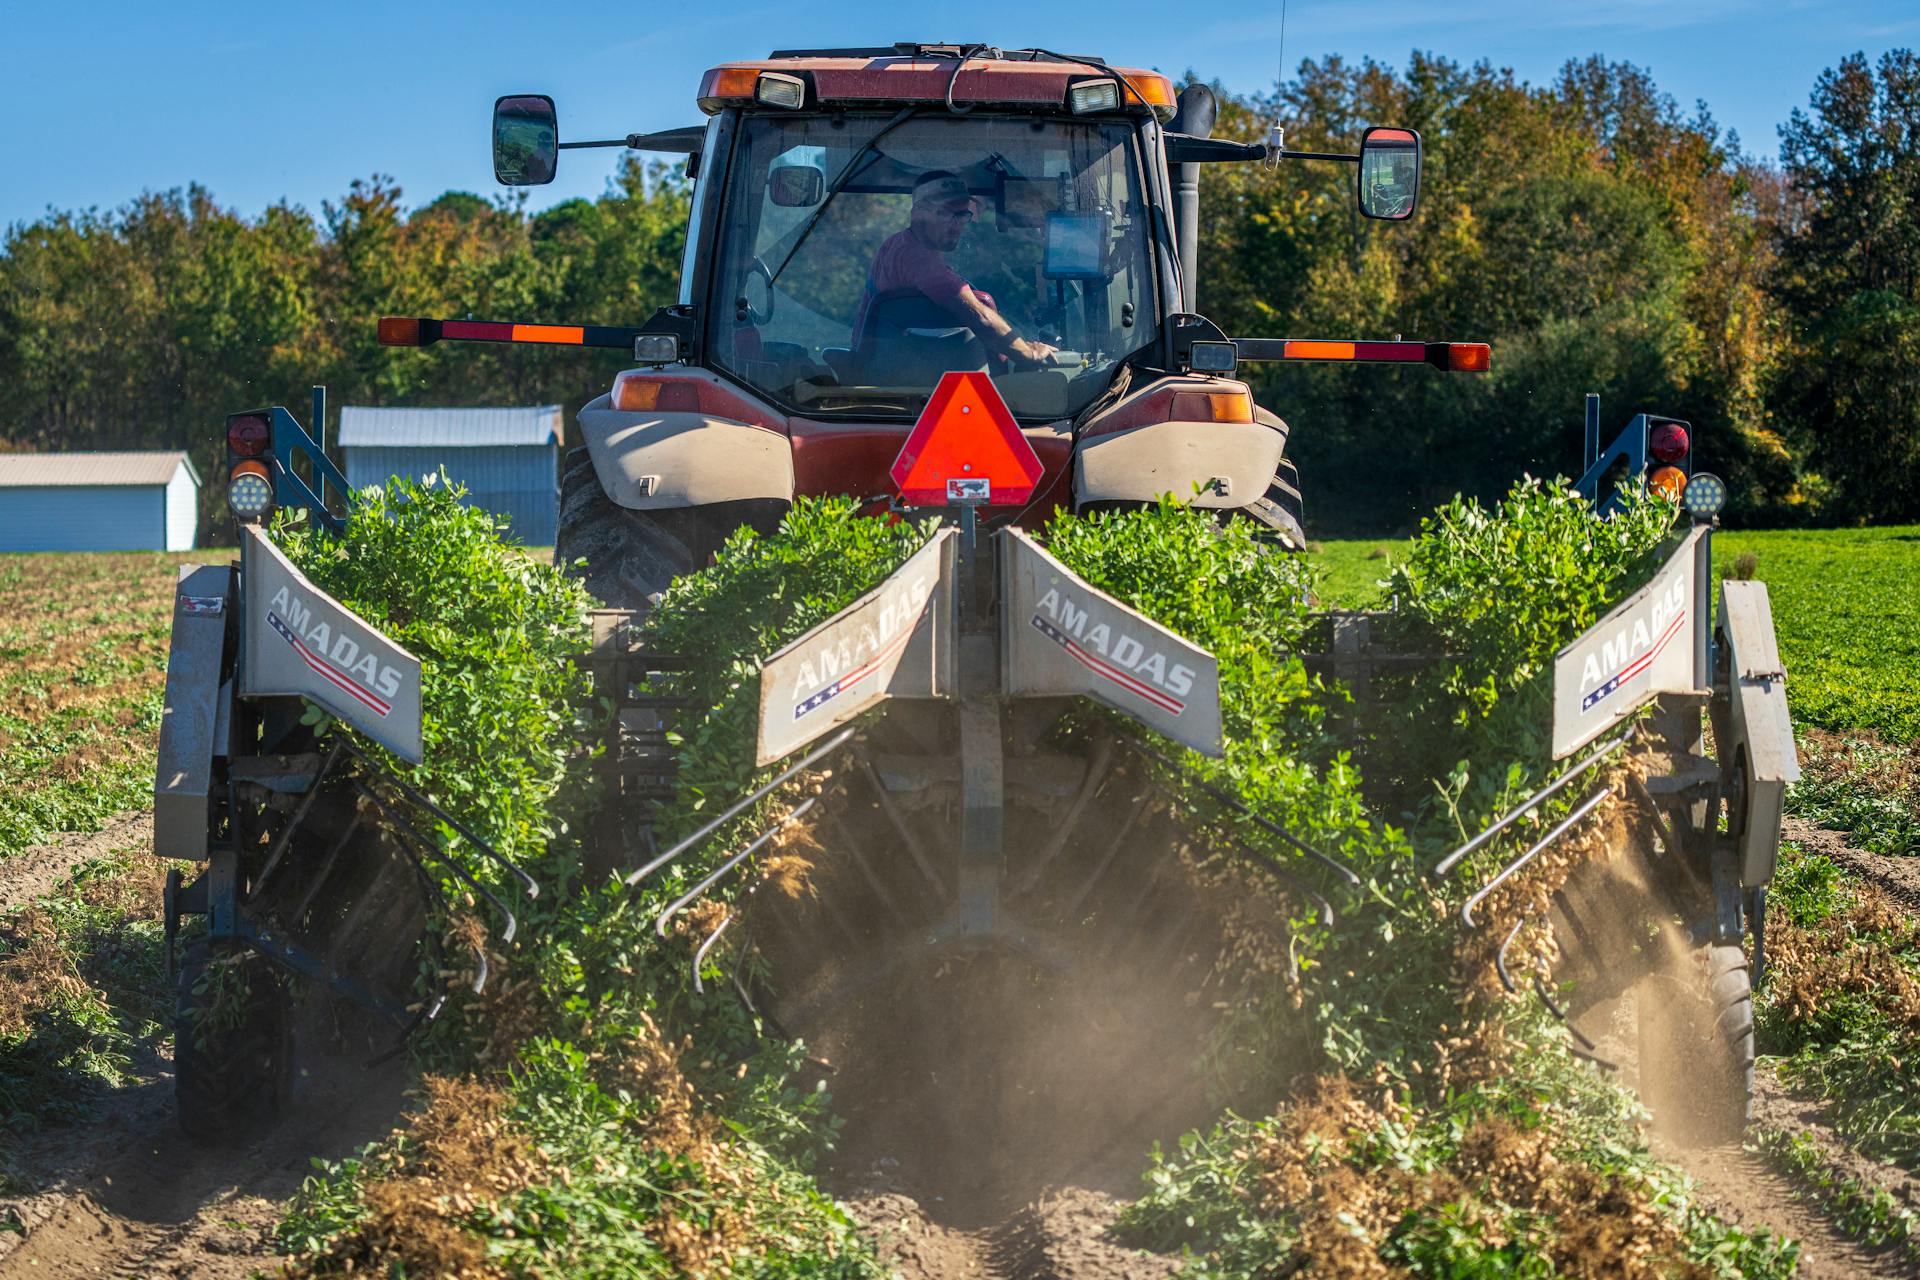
x,y
250,491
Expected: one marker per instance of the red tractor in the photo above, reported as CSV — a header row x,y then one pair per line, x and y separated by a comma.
x,y
867,220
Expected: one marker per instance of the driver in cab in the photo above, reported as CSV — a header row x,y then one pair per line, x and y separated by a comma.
x,y
911,266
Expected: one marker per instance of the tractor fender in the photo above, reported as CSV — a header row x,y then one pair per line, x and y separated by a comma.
x,y
1230,464
650,461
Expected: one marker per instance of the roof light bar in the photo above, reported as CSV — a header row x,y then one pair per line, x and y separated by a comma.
x,y
775,90
1090,96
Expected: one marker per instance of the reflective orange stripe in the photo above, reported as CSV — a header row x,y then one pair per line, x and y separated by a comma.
x,y
1319,351
570,333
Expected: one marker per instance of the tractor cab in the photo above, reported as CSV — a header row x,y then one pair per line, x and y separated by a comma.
x,y
867,220
866,223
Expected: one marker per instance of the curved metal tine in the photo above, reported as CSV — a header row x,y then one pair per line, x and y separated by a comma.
x,y
1583,1046
1293,881
1594,1058
1532,802
1668,841
874,882
1265,824
326,867
1566,824
1135,815
1500,957
451,864
413,793
700,954
300,812
481,966
739,807
424,1017
713,877
1097,768
899,824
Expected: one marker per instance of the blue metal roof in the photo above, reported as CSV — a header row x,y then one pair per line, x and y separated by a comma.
x,y
449,428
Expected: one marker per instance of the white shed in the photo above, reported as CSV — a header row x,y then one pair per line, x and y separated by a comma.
x,y
509,459
98,501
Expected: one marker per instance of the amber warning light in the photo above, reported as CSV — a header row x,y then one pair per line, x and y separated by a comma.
x,y
966,449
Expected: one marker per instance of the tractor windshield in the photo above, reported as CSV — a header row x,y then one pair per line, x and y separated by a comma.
x,y
848,282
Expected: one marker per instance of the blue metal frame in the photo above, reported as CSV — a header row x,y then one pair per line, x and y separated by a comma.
x,y
1630,444
289,490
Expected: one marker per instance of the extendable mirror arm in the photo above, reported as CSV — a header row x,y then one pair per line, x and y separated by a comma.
x,y
1185,149
683,141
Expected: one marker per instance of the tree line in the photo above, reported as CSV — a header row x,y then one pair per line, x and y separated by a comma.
x,y
1598,236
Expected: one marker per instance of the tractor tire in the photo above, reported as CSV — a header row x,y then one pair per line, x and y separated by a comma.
x,y
233,1043
1284,494
631,556
1696,1047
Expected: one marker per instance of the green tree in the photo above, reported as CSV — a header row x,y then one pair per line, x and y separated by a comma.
x,y
1849,278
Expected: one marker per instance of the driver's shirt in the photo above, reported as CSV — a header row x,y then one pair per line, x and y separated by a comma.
x,y
906,262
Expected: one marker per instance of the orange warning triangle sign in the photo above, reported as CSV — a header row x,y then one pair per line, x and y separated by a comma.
x,y
966,449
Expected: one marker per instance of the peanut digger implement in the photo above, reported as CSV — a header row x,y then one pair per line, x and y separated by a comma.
x,y
1040,351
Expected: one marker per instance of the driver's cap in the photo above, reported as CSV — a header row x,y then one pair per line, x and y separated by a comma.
x,y
944,192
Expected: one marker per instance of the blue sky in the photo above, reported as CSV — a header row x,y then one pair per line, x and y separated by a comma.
x,y
271,100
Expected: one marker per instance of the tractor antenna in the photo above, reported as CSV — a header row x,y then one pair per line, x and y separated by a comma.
x,y
1277,134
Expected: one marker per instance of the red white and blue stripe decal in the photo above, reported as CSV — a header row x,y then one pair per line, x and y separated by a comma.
x,y
326,669
815,701
1634,668
1106,670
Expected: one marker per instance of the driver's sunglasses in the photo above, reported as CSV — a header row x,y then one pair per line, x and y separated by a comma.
x,y
957,215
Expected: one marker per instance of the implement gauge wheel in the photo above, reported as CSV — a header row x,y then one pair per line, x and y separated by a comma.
x,y
1696,1047
233,1042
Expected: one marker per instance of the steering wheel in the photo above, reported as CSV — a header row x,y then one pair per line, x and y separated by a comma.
x,y
753,317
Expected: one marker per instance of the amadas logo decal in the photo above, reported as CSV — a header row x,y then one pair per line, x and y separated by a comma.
x,y
853,654
1112,654
334,655
1633,648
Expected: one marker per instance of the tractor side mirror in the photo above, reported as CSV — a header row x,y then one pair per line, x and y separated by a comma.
x,y
796,186
526,140
1389,173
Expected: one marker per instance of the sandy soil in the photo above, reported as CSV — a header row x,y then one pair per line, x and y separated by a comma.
x,y
129,1194
1741,1185
1899,877
34,872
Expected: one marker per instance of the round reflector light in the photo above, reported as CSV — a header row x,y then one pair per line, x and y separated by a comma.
x,y
1705,496
248,435
1669,480
250,490
1668,442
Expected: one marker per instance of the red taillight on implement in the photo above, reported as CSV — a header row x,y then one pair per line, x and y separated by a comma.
x,y
248,435
1668,442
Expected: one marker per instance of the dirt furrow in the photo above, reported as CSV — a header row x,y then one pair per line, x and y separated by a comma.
x,y
34,872
131,1195
1898,877
1063,1235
